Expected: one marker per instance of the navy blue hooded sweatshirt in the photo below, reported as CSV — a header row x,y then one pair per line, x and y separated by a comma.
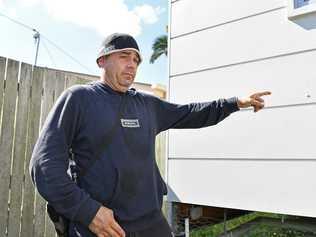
x,y
125,178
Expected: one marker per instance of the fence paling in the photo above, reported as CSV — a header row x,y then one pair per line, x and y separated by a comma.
x,y
39,219
6,142
2,71
33,129
60,84
19,151
50,81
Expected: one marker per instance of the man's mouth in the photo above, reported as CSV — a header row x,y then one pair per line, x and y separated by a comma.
x,y
129,74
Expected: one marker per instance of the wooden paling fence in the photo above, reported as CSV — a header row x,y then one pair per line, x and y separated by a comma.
x,y
26,97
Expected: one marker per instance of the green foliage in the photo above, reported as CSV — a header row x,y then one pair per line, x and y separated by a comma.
x,y
273,231
216,230
159,47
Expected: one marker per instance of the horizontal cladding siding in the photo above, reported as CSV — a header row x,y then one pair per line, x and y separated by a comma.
x,y
255,38
192,15
276,133
291,80
245,185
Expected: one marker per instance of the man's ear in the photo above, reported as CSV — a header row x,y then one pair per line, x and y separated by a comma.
x,y
101,61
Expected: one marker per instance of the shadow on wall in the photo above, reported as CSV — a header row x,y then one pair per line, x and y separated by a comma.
x,y
308,22
172,195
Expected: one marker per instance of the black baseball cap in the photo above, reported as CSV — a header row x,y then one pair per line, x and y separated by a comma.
x,y
118,42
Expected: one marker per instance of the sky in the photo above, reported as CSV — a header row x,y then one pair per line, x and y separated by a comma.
x,y
78,28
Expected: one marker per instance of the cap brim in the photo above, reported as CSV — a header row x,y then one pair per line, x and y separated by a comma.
x,y
101,54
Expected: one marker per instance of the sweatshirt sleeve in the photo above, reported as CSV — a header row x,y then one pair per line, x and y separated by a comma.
x,y
193,115
49,162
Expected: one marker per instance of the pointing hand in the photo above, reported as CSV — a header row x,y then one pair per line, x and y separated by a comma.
x,y
254,100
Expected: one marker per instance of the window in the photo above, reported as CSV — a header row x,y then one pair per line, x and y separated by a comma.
x,y
301,7
301,3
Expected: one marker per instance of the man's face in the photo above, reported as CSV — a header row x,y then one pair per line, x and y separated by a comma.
x,y
120,69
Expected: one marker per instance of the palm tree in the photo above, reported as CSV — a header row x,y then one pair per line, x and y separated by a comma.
x,y
159,47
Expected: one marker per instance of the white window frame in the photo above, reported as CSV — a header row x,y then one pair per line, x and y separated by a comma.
x,y
300,11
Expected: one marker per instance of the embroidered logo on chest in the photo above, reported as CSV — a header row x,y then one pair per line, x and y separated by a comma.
x,y
130,123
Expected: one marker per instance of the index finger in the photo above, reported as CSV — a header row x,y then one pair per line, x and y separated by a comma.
x,y
263,93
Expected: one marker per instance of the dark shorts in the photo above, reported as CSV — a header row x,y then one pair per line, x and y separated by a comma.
x,y
159,229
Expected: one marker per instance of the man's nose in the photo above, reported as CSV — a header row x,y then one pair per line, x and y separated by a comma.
x,y
131,64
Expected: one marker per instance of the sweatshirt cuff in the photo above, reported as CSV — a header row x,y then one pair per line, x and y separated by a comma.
x,y
232,105
87,212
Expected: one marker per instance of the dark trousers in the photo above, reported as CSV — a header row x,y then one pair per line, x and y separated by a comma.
x,y
159,229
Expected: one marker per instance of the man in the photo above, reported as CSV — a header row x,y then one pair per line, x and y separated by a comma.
x,y
120,191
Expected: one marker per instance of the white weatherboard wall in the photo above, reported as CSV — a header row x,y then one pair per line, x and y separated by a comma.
x,y
262,161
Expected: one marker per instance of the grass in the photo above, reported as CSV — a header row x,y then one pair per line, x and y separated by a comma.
x,y
218,229
271,231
